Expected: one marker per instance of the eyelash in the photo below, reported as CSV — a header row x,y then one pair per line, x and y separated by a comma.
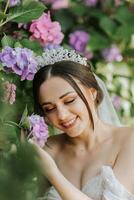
x,y
50,110
67,102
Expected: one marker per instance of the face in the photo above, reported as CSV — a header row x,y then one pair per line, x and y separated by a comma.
x,y
63,107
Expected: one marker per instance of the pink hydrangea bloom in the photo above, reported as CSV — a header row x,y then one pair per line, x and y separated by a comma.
x,y
112,54
46,31
38,129
118,2
88,54
9,92
57,4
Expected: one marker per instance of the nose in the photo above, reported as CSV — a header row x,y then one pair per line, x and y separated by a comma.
x,y
62,112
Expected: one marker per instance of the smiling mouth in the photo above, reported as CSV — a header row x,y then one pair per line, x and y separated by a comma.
x,y
70,123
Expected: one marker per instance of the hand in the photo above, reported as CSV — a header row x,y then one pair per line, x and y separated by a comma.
x,y
48,165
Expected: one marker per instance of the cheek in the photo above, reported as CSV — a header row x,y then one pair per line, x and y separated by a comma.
x,y
81,109
52,118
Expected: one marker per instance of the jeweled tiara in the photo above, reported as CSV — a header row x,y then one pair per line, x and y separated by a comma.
x,y
51,56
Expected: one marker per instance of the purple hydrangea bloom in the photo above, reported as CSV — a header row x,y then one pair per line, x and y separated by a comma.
x,y
91,3
112,54
116,100
14,3
52,46
78,40
20,61
39,129
26,65
8,57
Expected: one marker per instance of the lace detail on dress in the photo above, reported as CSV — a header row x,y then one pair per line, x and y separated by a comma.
x,y
105,184
113,187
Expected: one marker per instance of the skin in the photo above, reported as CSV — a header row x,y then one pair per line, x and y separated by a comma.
x,y
79,153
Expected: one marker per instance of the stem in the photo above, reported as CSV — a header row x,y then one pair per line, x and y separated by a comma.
x,y
29,135
13,123
1,24
5,10
7,4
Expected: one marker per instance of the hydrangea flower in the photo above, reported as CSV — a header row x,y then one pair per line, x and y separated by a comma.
x,y
88,54
14,3
112,54
38,129
23,25
46,31
20,61
116,100
8,57
51,46
91,3
9,92
118,2
26,65
78,40
57,4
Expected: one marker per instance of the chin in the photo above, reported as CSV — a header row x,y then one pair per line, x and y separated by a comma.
x,y
73,134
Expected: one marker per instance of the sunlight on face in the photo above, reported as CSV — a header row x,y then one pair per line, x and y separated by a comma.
x,y
63,107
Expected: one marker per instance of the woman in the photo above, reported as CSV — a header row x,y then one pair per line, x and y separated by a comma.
x,y
91,159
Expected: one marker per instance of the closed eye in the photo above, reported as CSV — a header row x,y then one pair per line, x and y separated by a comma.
x,y
48,110
70,101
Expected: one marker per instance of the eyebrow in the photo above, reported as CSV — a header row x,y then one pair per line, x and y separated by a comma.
x,y
48,102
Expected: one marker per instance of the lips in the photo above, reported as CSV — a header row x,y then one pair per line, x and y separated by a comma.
x,y
69,123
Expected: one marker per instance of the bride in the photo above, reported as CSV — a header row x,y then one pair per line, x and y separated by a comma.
x,y
92,159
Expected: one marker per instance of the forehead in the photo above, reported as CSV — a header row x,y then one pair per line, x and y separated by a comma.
x,y
53,88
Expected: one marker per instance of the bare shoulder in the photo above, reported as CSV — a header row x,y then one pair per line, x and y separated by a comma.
x,y
127,140
54,144
123,135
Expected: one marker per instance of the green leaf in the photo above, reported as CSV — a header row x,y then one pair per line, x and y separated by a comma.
x,y
97,13
17,44
33,45
26,13
125,31
65,18
24,115
7,41
79,9
123,15
108,26
97,41
2,15
129,52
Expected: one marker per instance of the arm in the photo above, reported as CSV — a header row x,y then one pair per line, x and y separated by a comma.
x,y
66,190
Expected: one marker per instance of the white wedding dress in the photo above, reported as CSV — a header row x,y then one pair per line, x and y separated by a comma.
x,y
102,186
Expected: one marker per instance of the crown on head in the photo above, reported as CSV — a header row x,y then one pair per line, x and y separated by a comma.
x,y
51,56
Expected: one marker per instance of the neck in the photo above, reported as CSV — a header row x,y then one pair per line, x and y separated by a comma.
x,y
89,139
